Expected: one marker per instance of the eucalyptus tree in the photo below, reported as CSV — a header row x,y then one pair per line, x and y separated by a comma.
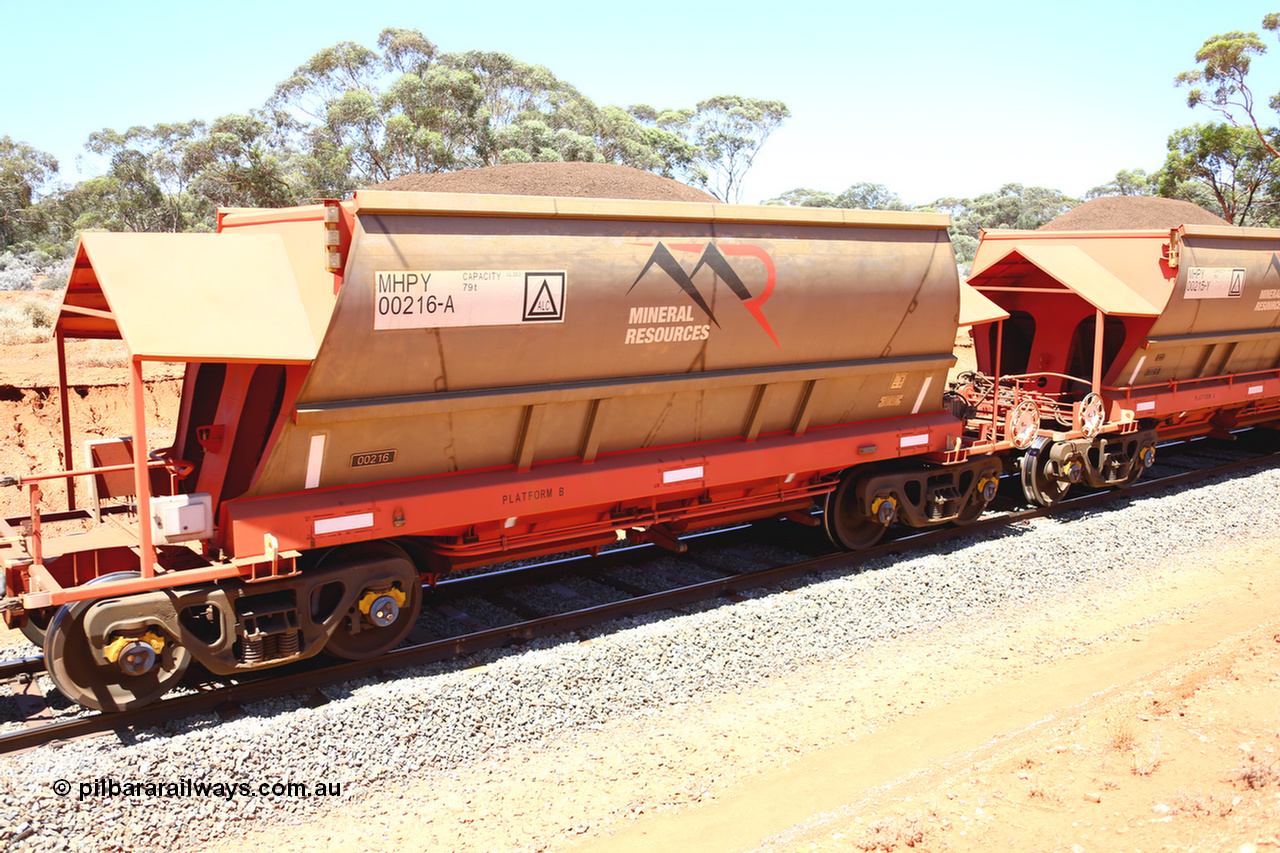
x,y
1232,163
145,187
25,174
1012,206
667,133
243,161
330,106
412,108
1220,82
730,131
1127,182
859,196
804,197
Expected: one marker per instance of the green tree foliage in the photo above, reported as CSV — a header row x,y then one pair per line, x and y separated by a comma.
x,y
730,130
241,161
330,107
173,177
804,197
1016,206
865,196
1127,182
1237,169
1011,206
351,116
1220,81
526,113
24,174
145,186
663,136
964,228
360,116
861,196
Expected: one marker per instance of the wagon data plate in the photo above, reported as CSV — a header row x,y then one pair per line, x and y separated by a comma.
x,y
1214,283
429,299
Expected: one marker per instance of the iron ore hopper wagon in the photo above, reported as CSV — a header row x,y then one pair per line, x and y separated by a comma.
x,y
386,389
1117,338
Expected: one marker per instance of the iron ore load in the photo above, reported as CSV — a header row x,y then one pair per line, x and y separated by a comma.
x,y
382,390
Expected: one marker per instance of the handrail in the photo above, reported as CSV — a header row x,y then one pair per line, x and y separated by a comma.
x,y
85,472
177,468
1173,384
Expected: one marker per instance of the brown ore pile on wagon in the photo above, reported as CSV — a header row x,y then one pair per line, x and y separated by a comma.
x,y
573,180
1133,212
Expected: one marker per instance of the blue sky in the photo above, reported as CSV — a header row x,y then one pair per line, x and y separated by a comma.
x,y
931,99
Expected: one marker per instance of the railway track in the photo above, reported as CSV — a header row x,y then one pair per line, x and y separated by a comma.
x,y
12,669
459,613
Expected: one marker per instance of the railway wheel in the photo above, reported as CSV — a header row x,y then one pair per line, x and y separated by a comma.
x,y
972,512
847,526
1145,459
1038,485
382,614
141,673
37,624
983,494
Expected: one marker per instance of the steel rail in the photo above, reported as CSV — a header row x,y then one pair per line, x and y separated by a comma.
x,y
214,700
11,669
494,581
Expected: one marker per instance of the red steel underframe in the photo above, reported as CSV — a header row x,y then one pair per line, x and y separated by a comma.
x,y
1259,389
549,503
735,473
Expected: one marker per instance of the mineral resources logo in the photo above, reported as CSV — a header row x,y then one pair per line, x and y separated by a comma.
x,y
670,323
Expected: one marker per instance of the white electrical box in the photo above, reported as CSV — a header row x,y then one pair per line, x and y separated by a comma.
x,y
181,518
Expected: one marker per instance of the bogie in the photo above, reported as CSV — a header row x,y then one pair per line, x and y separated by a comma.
x,y
869,500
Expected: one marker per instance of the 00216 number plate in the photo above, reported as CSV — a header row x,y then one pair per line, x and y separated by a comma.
x,y
372,457
429,299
